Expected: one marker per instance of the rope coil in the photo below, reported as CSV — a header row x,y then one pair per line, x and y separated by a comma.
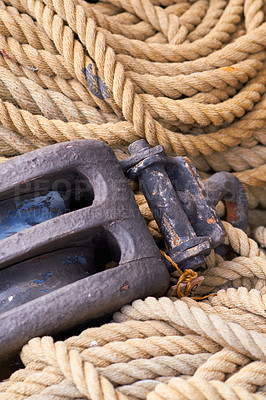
x,y
142,60
189,75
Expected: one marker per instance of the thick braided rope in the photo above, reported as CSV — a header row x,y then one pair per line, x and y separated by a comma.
x,y
59,46
241,243
228,271
48,346
256,369
23,121
23,29
28,95
188,85
251,301
225,360
236,159
200,389
189,75
130,350
260,235
15,119
71,88
201,323
243,316
259,195
28,354
132,329
59,355
39,380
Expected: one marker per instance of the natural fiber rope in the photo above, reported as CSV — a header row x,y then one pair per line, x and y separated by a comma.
x,y
260,235
114,369
218,21
194,328
189,75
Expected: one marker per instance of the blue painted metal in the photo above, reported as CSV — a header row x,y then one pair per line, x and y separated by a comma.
x,y
25,212
32,279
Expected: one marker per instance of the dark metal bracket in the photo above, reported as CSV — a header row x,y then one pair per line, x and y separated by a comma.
x,y
50,278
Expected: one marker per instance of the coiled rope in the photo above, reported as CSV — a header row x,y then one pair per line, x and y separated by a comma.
x,y
163,348
189,75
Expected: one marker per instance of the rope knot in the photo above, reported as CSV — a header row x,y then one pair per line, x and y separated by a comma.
x,y
187,284
186,278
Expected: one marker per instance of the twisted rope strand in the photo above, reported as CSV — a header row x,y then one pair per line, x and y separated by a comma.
x,y
201,389
189,75
260,235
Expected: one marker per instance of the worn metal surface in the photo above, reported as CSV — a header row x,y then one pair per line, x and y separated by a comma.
x,y
98,222
30,279
226,186
29,210
178,201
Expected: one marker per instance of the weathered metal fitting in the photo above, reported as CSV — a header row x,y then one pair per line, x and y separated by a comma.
x,y
155,159
139,153
66,211
227,187
189,254
179,204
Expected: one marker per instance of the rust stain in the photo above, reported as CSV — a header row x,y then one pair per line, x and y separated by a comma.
x,y
195,177
124,286
232,211
176,240
211,220
187,159
174,237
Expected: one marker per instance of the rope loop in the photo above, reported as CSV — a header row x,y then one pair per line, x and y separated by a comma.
x,y
188,282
